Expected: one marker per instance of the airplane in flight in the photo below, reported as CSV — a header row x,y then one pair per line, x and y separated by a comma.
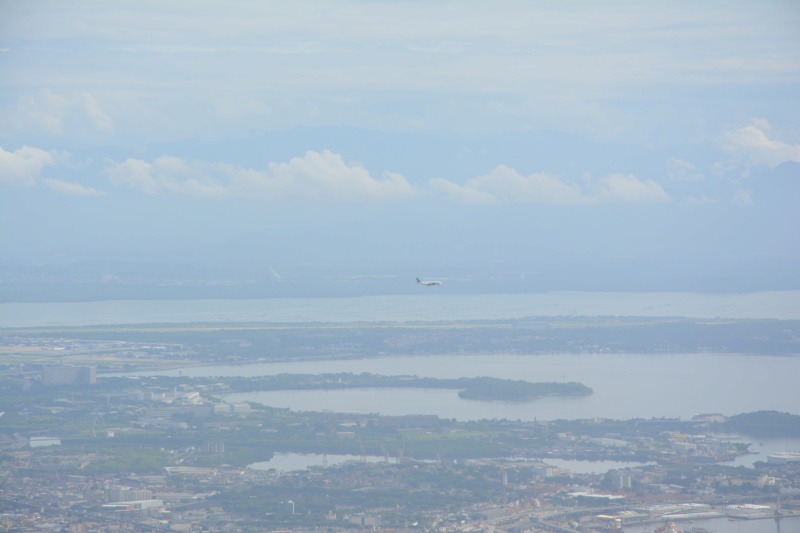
x,y
428,283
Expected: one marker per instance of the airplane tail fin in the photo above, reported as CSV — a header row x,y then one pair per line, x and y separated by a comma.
x,y
417,280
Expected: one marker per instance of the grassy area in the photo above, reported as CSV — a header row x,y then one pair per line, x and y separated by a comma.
x,y
14,355
552,322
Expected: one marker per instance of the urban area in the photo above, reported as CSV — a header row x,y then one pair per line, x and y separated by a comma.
x,y
87,449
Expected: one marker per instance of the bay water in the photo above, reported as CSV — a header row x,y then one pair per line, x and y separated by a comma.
x,y
625,385
422,306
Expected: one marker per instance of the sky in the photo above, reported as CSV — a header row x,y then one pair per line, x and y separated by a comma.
x,y
504,146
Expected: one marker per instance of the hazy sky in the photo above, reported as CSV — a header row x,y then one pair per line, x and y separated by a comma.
x,y
577,140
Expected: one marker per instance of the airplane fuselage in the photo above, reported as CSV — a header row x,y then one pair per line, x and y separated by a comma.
x,y
428,283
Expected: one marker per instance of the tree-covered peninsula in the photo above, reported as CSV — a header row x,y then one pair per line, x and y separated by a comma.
x,y
480,388
485,388
764,424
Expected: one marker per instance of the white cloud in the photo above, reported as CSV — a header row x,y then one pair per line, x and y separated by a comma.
x,y
505,185
762,124
508,185
580,69
699,200
56,114
197,187
72,189
627,188
320,176
743,197
167,173
135,173
457,193
720,168
23,166
681,170
317,176
98,116
43,111
753,143
230,108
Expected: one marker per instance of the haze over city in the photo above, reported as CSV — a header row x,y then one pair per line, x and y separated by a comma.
x,y
517,146
399,266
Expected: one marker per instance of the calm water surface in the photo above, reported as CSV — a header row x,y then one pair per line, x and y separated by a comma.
x,y
625,385
427,306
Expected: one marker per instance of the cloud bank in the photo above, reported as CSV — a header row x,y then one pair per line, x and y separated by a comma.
x,y
72,189
315,177
753,143
52,114
506,185
324,177
22,166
